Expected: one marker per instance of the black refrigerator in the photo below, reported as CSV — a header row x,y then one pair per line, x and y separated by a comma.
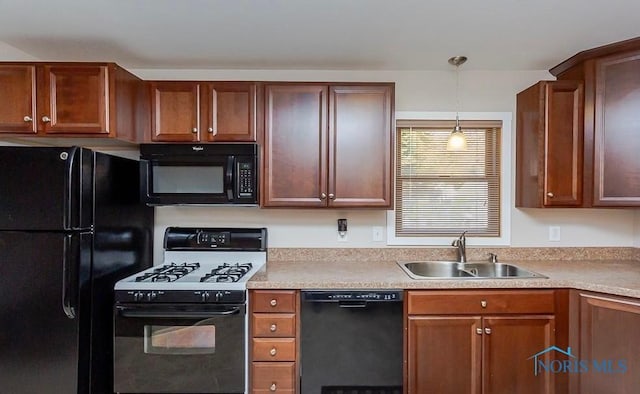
x,y
71,225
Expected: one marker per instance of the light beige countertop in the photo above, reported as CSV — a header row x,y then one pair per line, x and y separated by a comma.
x,y
617,277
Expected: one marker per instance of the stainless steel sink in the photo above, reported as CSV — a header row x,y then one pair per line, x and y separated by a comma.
x,y
472,270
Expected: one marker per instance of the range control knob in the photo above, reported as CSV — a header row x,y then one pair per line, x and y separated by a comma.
x,y
151,296
204,296
219,296
138,296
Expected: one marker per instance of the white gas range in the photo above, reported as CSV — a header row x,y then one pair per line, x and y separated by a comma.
x,y
187,317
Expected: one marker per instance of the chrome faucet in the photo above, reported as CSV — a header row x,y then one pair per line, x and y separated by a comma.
x,y
461,244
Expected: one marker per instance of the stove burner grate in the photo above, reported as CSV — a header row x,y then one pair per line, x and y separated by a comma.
x,y
227,272
168,272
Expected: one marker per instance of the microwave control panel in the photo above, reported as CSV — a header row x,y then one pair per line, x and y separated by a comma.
x,y
246,188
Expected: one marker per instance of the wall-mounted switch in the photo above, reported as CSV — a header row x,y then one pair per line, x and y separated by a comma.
x,y
554,233
377,234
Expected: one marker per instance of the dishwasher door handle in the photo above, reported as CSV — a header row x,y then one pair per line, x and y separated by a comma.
x,y
352,304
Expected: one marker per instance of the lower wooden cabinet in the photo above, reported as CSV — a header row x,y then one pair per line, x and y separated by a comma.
x,y
274,338
483,343
609,344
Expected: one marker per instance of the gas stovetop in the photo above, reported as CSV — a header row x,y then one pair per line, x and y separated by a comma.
x,y
199,261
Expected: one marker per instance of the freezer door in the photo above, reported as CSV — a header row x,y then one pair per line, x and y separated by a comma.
x,y
47,189
44,334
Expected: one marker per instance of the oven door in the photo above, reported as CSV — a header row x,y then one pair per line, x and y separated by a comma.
x,y
179,348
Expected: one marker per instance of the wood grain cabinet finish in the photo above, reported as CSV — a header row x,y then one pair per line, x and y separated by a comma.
x,y
70,99
609,328
274,336
611,76
549,145
617,131
203,111
328,145
476,348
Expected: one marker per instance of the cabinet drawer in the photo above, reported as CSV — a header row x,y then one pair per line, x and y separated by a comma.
x,y
274,300
273,325
274,349
480,302
273,377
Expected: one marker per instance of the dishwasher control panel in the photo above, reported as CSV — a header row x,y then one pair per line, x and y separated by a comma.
x,y
351,295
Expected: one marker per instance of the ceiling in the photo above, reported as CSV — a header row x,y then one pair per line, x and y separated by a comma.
x,y
316,34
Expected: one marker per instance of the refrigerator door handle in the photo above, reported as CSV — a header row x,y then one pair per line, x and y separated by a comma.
x,y
69,277
70,159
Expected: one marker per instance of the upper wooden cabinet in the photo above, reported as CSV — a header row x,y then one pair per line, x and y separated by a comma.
x,y
549,145
203,111
328,145
610,137
70,99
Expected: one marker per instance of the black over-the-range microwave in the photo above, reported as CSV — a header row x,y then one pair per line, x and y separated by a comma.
x,y
203,174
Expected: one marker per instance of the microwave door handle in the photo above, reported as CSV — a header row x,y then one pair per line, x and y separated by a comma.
x,y
228,177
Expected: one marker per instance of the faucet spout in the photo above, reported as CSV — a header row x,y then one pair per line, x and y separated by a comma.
x,y
461,244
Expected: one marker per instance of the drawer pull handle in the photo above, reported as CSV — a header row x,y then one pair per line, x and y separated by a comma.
x,y
550,195
273,302
273,351
27,119
483,303
479,331
273,328
273,387
487,331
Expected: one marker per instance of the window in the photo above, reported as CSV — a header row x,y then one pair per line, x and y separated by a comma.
x,y
440,194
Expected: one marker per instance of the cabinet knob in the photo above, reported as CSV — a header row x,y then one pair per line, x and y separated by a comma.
x,y
332,196
487,331
273,328
273,387
273,302
483,303
210,129
27,119
550,195
479,331
46,119
194,130
273,351
323,196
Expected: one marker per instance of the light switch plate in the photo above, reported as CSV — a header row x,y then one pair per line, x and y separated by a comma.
x,y
554,233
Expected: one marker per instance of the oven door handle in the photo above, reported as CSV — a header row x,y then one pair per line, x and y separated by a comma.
x,y
159,314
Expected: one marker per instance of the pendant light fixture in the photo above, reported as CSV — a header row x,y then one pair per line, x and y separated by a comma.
x,y
457,140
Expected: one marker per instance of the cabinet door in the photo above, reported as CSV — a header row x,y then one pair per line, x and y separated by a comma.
x,y
17,99
563,133
230,111
609,328
295,146
508,345
175,111
74,99
549,151
617,131
360,146
444,354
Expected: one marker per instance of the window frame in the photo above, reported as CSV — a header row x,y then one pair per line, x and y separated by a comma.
x,y
506,181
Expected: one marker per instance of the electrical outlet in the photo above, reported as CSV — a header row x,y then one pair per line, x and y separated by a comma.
x,y
343,238
554,233
377,234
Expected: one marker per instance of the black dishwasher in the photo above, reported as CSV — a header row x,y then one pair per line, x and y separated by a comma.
x,y
351,342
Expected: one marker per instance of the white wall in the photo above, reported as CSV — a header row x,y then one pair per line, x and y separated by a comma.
x,y
490,91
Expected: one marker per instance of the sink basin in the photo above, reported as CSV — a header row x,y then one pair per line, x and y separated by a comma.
x,y
472,270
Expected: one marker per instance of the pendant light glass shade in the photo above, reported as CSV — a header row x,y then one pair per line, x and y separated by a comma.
x,y
457,140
